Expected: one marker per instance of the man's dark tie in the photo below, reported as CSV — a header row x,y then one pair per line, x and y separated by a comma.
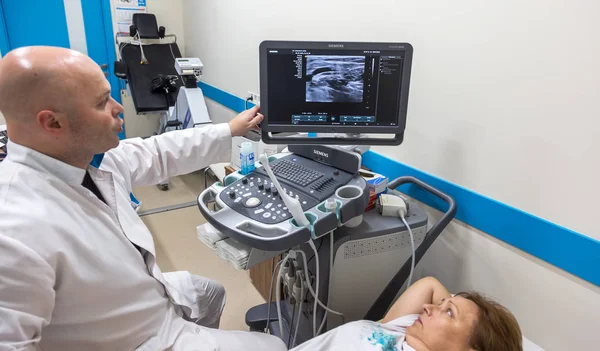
x,y
89,183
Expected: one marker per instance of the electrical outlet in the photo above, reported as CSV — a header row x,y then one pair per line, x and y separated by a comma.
x,y
255,98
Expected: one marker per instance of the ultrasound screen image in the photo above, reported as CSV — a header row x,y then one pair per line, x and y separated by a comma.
x,y
334,78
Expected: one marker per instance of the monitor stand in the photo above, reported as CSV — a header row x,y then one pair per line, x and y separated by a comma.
x,y
348,140
358,148
346,160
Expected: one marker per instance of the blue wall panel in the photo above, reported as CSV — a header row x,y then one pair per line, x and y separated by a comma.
x,y
100,39
4,44
23,18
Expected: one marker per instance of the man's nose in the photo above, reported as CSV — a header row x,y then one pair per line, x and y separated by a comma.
x,y
117,109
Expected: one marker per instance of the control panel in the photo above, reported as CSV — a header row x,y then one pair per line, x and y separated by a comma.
x,y
255,196
189,66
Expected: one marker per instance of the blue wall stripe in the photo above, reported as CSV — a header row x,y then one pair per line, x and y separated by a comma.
x,y
224,98
566,249
573,252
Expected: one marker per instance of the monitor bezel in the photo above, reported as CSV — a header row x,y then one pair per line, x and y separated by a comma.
x,y
290,128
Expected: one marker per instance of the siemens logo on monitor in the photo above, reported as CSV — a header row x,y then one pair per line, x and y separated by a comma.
x,y
321,153
336,45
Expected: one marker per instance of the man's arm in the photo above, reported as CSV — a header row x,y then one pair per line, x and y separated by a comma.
x,y
26,295
174,153
425,291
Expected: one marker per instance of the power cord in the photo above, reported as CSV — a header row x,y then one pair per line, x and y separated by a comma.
x,y
171,48
271,296
331,242
303,277
402,212
311,243
313,256
302,297
318,250
143,59
278,292
300,252
292,325
412,244
397,206
165,84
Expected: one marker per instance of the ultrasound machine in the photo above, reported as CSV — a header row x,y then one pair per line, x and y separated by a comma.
x,y
340,262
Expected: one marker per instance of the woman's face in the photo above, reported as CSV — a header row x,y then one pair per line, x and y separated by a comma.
x,y
444,327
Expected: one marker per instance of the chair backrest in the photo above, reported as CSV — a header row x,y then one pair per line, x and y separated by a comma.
x,y
146,25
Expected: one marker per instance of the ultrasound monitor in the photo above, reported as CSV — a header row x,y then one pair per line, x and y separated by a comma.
x,y
334,89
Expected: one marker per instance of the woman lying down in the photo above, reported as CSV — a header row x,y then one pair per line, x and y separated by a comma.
x,y
427,318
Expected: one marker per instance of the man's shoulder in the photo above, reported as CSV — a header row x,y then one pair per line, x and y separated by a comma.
x,y
27,198
32,215
13,177
7,169
21,179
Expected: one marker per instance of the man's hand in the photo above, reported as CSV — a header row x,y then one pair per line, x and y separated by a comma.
x,y
242,123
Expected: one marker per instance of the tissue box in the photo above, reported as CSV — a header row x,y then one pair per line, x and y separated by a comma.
x,y
372,200
376,182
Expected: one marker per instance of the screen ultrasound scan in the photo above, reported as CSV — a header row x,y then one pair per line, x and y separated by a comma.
x,y
344,85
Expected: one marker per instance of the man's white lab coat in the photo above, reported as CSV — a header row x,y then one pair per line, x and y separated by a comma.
x,y
70,275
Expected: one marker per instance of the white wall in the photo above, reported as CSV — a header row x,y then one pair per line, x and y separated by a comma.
x,y
168,14
2,121
503,99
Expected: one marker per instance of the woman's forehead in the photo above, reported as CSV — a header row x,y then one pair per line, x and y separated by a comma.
x,y
465,306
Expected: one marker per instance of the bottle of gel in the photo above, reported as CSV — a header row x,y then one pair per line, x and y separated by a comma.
x,y
246,158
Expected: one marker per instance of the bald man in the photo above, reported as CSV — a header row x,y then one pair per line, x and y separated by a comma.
x,y
77,265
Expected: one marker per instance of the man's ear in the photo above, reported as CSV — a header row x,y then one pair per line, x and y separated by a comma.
x,y
50,121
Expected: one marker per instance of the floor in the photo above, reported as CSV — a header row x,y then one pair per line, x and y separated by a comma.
x,y
177,247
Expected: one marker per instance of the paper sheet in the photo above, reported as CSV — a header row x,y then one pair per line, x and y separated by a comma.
x,y
124,13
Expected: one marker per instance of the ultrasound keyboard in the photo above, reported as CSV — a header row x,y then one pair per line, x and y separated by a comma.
x,y
310,182
250,209
295,173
